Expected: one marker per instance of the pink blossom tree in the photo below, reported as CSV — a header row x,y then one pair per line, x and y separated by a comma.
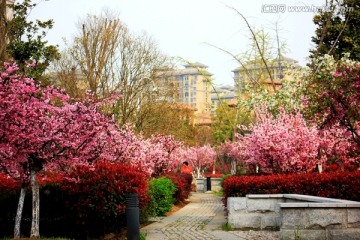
x,y
198,158
332,97
287,143
337,146
41,128
168,153
232,151
281,145
28,124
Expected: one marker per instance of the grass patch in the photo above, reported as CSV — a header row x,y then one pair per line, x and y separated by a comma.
x,y
226,227
219,193
143,236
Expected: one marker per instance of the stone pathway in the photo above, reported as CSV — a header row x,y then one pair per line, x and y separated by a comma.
x,y
202,218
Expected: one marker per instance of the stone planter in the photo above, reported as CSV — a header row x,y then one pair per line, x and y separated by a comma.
x,y
296,216
200,184
215,184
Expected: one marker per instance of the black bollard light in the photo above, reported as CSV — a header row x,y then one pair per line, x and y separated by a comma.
x,y
132,216
208,183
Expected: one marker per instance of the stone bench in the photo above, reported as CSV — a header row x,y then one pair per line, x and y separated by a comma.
x,y
296,216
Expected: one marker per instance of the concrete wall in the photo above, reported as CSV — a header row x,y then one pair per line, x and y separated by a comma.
x,y
255,213
297,216
201,184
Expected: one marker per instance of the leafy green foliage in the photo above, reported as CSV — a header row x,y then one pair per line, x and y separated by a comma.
x,y
26,41
167,119
226,119
287,97
161,192
226,226
338,30
143,236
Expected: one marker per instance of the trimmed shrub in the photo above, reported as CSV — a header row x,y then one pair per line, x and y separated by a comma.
x,y
161,191
8,185
9,197
102,190
55,217
89,202
96,196
182,183
341,185
348,167
225,176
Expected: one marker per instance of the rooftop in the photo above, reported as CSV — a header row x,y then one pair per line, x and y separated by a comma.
x,y
284,61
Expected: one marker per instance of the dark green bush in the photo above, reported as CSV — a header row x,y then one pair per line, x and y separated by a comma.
x,y
161,192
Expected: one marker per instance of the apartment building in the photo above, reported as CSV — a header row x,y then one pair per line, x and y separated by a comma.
x,y
256,72
225,93
193,88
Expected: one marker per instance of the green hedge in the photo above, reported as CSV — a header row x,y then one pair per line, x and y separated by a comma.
x,y
161,191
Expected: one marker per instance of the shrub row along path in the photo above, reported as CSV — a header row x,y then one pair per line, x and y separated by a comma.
x,y
202,218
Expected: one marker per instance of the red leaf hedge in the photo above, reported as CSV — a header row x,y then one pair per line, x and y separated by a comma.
x,y
8,184
102,189
341,185
182,183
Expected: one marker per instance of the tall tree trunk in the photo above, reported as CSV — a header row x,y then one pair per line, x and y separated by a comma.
x,y
35,206
198,172
19,212
233,167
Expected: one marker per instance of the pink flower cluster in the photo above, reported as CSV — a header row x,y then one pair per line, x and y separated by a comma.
x,y
286,144
43,128
199,158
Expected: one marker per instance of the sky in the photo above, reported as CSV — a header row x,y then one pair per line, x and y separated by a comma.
x,y
187,28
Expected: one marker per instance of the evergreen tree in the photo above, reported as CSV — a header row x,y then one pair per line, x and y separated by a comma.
x,y
26,40
338,30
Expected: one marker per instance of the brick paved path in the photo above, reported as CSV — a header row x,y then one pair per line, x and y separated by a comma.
x,y
200,219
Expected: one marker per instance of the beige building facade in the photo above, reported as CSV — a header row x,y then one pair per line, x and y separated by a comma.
x,y
225,93
193,88
256,73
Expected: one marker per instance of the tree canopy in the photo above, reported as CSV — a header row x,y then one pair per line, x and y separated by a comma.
x,y
26,40
337,30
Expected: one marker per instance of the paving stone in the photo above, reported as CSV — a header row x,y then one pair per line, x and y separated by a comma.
x,y
199,219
